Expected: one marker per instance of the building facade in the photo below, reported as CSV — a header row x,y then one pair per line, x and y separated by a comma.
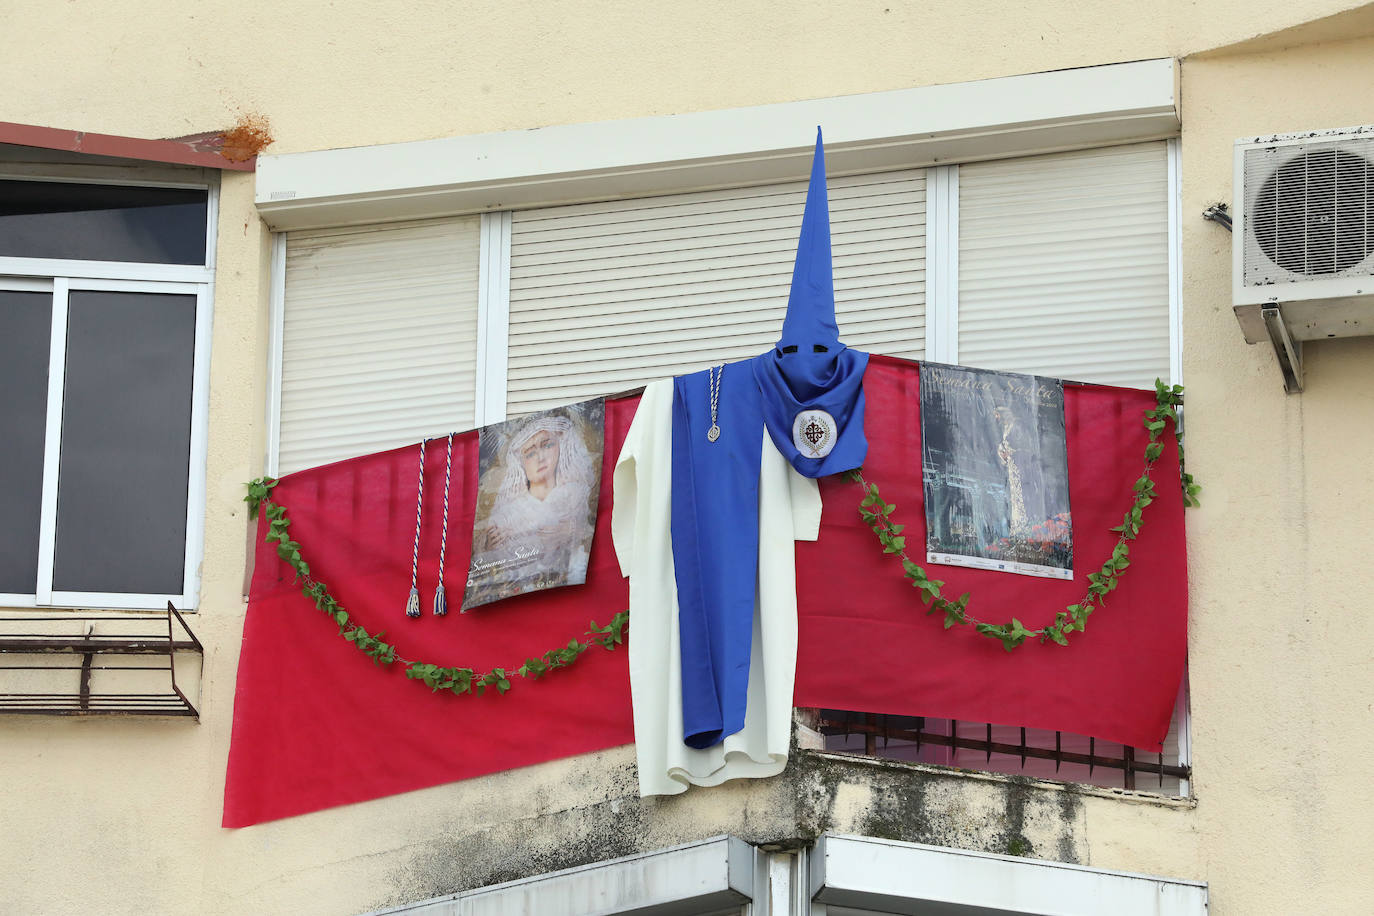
x,y
578,199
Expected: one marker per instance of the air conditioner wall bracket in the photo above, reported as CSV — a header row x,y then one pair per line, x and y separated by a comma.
x,y
1287,350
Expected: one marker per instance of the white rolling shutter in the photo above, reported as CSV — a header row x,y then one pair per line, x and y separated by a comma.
x,y
608,296
1064,265
379,339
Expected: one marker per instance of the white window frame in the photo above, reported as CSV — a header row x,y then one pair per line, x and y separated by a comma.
x,y
573,163
942,264
941,306
61,277
493,174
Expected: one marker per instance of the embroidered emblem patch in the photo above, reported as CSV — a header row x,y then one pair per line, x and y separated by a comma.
x,y
814,433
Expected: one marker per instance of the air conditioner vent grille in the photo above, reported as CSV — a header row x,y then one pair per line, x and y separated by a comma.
x,y
1310,210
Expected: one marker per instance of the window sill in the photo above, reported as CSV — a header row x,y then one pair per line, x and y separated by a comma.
x,y
1131,795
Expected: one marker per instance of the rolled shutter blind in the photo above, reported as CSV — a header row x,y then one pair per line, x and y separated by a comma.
x,y
608,296
1064,265
379,340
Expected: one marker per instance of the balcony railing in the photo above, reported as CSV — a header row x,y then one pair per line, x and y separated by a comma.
x,y
1005,749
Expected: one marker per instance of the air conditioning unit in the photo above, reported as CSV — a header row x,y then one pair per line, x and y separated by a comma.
x,y
1303,240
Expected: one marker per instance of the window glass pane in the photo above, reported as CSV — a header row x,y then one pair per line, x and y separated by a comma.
x,y
58,219
126,438
25,330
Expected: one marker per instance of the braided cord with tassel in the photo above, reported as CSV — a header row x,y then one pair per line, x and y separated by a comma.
x,y
440,601
413,602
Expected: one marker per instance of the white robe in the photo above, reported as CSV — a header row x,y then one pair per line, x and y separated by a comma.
x,y
789,509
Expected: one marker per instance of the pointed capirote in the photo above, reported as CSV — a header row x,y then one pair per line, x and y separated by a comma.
x,y
810,320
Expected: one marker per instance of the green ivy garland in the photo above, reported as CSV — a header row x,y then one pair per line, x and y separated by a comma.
x,y
437,677
1074,618
874,510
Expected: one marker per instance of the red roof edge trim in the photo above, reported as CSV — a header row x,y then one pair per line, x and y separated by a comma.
x,y
198,149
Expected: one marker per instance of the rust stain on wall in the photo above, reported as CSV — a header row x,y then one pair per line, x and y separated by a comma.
x,y
250,135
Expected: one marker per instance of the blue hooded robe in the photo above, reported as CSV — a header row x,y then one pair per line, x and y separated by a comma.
x,y
808,393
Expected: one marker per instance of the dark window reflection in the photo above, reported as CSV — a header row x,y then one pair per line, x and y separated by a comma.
x,y
126,439
55,219
25,330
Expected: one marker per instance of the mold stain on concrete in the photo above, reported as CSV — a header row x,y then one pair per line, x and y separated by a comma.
x,y
596,815
461,860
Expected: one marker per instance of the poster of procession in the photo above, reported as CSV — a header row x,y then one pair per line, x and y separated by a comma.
x,y
995,471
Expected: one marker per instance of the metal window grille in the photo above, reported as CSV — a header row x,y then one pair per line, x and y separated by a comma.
x,y
1003,749
96,665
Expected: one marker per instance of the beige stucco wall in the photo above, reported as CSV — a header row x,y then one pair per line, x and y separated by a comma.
x,y
119,816
1280,578
333,74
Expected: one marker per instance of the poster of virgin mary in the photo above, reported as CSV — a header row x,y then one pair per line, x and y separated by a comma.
x,y
994,465
538,481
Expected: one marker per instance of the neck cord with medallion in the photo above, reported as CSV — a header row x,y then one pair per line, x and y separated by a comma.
x,y
714,374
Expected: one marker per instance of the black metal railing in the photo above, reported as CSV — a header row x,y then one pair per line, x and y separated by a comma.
x,y
983,746
94,664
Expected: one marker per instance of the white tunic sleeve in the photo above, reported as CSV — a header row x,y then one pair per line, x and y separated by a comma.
x,y
789,509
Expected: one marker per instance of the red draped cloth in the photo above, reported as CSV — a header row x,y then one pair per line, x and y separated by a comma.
x,y
317,724
865,643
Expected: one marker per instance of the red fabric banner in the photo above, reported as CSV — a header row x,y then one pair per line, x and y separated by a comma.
x,y
866,644
316,724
